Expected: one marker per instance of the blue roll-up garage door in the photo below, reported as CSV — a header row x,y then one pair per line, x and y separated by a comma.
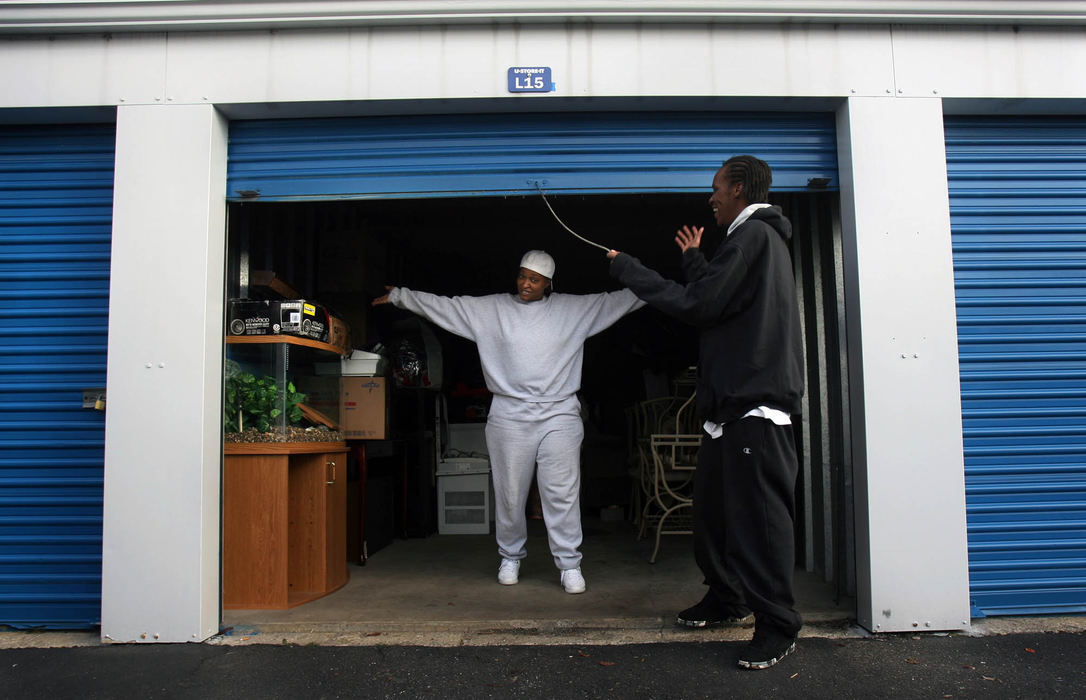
x,y
56,202
1018,221
466,155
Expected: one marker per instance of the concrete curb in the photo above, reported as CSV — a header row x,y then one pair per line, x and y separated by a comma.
x,y
550,632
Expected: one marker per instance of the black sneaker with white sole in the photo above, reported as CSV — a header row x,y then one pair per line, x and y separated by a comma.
x,y
766,649
710,613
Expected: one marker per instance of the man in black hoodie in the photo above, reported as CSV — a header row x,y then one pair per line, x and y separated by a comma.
x,y
750,382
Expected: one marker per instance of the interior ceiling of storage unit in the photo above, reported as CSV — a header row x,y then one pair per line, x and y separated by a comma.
x,y
473,246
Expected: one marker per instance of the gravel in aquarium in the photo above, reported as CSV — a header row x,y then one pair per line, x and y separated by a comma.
x,y
290,434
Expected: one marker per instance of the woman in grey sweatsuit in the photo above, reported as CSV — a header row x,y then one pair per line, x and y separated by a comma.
x,y
531,347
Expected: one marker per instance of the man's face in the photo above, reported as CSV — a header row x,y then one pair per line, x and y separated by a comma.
x,y
727,200
530,285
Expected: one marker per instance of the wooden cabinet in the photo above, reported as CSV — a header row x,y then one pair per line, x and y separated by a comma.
x,y
284,523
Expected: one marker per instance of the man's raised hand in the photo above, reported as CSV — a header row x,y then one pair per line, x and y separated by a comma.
x,y
689,237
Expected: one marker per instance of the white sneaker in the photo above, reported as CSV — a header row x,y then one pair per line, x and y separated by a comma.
x,y
572,580
508,572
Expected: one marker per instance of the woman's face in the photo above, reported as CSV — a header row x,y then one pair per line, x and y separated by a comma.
x,y
531,284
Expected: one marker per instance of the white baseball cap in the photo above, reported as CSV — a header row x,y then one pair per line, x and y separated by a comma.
x,y
538,261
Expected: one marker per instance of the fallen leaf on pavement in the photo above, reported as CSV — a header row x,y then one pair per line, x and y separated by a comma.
x,y
607,663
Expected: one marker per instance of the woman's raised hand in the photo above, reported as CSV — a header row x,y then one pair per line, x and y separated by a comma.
x,y
383,299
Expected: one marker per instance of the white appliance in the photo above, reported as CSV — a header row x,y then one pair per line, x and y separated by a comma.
x,y
463,477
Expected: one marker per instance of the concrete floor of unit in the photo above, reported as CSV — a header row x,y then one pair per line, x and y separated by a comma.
x,y
442,590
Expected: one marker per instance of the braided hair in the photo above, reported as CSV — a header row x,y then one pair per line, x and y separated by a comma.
x,y
753,174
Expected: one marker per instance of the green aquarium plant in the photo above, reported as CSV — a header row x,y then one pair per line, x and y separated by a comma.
x,y
258,402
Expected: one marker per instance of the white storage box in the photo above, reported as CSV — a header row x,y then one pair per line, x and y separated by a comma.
x,y
463,503
362,364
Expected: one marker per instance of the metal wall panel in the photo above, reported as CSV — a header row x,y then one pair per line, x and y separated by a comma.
x,y
56,202
464,155
1018,220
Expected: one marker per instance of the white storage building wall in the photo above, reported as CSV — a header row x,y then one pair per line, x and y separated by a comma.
x,y
174,88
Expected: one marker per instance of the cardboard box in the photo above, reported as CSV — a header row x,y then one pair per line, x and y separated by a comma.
x,y
302,318
339,334
363,408
252,317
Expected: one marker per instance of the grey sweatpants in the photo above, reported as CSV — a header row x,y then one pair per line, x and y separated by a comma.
x,y
516,447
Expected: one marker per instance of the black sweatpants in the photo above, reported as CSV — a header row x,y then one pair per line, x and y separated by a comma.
x,y
744,511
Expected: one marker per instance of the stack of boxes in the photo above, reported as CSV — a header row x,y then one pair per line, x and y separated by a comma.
x,y
363,397
296,317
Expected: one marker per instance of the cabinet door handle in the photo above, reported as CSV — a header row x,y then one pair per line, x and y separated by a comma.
x,y
333,465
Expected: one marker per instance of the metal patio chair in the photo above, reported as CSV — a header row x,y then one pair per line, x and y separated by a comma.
x,y
647,417
674,452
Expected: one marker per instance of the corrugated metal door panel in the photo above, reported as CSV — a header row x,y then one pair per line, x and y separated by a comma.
x,y
465,155
56,203
1018,223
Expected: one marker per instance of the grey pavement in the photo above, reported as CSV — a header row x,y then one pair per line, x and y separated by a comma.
x,y
1010,663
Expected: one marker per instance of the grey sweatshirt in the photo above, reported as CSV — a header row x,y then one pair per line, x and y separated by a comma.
x,y
530,351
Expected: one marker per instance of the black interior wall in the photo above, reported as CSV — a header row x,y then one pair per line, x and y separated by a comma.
x,y
473,246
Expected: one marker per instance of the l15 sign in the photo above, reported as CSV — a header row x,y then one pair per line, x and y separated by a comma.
x,y
530,79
